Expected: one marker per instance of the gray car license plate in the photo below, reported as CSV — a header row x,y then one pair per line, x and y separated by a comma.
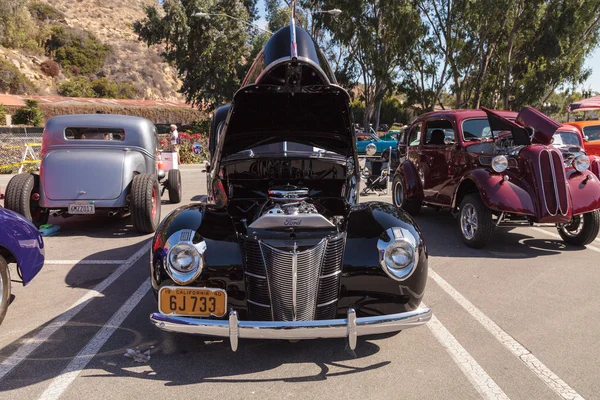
x,y
82,207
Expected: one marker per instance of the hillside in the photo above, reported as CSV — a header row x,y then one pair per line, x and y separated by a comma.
x,y
111,23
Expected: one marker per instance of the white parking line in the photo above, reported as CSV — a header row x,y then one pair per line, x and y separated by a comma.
x,y
559,386
8,364
63,381
556,235
483,383
85,262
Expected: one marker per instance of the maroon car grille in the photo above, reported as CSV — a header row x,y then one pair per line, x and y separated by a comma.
x,y
554,182
271,291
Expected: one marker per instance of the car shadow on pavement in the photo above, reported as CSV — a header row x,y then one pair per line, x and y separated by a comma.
x,y
440,230
78,323
99,225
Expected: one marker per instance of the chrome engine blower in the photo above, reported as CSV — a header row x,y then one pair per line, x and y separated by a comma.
x,y
287,207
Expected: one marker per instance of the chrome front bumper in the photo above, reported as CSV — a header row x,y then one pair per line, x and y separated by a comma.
x,y
350,327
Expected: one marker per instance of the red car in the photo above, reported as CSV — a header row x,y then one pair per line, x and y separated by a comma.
x,y
568,138
490,167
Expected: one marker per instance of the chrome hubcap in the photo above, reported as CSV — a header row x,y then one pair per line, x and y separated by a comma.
x,y
468,221
574,227
398,194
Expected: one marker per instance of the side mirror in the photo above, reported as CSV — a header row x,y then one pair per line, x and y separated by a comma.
x,y
586,138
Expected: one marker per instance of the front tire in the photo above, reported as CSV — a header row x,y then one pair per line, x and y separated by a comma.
x,y
582,229
4,288
413,207
174,186
145,203
21,192
475,222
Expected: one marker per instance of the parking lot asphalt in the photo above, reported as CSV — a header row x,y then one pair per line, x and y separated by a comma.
x,y
518,319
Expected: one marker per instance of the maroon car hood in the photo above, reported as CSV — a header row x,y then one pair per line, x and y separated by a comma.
x,y
529,119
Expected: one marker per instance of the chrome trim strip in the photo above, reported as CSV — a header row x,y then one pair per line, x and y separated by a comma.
x,y
254,275
293,330
554,181
286,59
294,281
330,275
542,184
258,304
328,303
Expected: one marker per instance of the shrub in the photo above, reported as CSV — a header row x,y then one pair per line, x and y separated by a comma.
x,y
71,47
50,68
13,81
45,12
106,88
29,115
76,87
2,115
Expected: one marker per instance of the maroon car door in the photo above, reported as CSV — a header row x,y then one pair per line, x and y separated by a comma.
x,y
436,159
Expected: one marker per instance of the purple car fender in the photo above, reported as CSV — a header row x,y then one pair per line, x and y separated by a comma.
x,y
23,241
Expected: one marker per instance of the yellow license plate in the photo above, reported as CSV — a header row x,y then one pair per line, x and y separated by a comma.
x,y
190,301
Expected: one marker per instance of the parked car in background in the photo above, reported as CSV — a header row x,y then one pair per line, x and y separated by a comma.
x,y
20,243
95,162
372,145
590,130
284,250
497,167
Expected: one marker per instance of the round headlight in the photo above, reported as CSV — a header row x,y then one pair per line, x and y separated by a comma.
x,y
499,163
371,149
184,258
581,162
399,255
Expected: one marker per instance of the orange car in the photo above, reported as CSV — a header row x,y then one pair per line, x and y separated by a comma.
x,y
591,131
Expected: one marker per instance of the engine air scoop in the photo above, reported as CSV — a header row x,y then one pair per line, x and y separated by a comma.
x,y
288,193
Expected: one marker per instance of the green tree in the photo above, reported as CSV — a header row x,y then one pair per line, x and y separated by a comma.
x,y
211,54
378,34
29,115
2,115
76,48
77,87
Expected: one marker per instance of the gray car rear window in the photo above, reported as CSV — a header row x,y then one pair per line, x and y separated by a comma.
x,y
80,133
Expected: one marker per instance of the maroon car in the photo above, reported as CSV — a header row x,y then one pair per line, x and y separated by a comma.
x,y
491,167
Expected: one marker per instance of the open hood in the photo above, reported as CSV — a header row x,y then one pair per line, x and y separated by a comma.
x,y
290,95
530,125
262,115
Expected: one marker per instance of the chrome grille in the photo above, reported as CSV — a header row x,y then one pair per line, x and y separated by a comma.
x,y
553,182
284,285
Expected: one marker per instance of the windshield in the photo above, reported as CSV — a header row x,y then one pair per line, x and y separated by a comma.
x,y
566,139
592,132
477,129
284,149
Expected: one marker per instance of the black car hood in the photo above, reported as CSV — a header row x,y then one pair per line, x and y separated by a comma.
x,y
264,114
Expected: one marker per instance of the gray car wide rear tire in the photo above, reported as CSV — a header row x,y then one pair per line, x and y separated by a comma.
x,y
573,233
4,287
475,222
18,198
174,186
145,203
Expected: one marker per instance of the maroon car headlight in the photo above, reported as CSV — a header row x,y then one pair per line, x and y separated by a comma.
x,y
499,163
581,162
398,254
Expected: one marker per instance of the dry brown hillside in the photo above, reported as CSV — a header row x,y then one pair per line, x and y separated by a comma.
x,y
111,21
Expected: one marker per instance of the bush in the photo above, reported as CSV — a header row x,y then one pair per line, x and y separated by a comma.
x,y
106,88
29,115
74,48
13,81
77,87
45,12
2,115
50,68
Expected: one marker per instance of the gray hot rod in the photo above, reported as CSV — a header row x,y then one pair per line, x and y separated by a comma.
x,y
92,162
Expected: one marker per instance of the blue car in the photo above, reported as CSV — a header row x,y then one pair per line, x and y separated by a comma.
x,y
364,139
21,243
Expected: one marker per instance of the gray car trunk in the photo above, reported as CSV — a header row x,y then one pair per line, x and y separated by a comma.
x,y
83,174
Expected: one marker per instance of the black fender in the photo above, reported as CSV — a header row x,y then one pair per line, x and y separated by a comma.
x,y
222,258
364,284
